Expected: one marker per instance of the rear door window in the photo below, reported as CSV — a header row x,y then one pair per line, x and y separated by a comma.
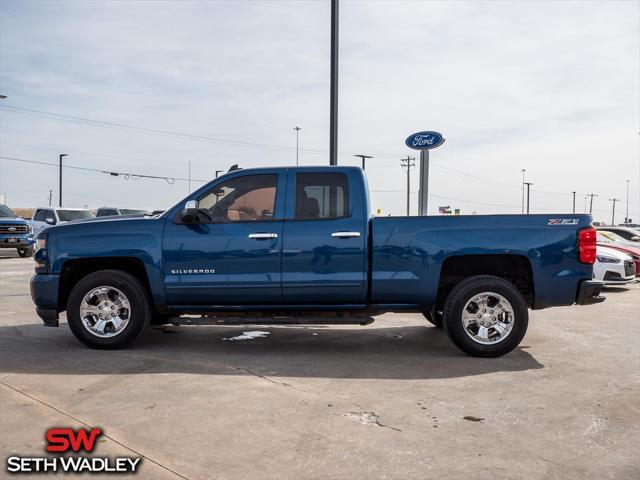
x,y
321,196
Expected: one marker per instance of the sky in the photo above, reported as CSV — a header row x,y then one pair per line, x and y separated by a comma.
x,y
151,87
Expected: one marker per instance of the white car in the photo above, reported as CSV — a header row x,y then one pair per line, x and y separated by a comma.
x,y
604,236
613,267
45,217
628,233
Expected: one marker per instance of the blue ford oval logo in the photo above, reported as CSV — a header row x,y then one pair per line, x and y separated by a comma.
x,y
424,140
12,229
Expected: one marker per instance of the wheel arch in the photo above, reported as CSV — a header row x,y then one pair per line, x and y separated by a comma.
x,y
76,269
511,267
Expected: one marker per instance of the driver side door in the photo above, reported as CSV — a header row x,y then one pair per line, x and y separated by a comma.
x,y
232,254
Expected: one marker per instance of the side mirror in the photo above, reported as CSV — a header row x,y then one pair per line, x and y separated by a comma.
x,y
635,238
190,212
50,220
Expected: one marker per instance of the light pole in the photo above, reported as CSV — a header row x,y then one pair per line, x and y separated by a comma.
x,y
408,163
60,181
333,91
591,202
522,207
297,129
528,184
613,210
363,157
626,217
574,202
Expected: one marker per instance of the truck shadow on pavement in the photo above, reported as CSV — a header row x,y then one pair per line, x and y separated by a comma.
x,y
404,352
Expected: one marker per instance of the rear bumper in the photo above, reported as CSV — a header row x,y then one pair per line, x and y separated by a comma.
x,y
44,293
589,292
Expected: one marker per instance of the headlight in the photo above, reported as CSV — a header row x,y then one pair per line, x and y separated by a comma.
x,y
42,243
30,229
603,259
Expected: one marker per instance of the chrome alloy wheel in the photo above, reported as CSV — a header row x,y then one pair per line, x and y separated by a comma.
x,y
105,311
487,318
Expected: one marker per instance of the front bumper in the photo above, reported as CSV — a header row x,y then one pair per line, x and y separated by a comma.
x,y
589,292
44,293
21,242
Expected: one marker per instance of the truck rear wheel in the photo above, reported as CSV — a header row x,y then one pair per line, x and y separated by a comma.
x,y
25,252
485,316
108,309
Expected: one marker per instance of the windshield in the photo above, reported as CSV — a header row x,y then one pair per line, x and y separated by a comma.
x,y
68,215
6,211
609,237
129,211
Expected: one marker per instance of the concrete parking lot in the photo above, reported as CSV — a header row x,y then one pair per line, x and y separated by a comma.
x,y
393,400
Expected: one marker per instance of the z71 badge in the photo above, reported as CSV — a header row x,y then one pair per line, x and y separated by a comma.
x,y
562,221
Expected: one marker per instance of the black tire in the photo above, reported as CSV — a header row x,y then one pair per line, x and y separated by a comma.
x,y
465,291
434,316
25,252
138,299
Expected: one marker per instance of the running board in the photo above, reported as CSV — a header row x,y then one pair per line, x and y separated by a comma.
x,y
272,320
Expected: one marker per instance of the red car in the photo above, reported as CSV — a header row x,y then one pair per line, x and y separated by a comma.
x,y
633,251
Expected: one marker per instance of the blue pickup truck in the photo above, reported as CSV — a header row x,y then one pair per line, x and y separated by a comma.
x,y
299,245
15,232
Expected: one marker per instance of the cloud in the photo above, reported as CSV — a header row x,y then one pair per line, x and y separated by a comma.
x,y
511,85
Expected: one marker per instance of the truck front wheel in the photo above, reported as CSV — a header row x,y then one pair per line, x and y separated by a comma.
x,y
108,309
25,252
485,316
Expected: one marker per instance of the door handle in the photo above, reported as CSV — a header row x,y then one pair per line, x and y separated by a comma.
x,y
262,236
345,234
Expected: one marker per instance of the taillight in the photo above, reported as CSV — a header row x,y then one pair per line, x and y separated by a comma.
x,y
587,245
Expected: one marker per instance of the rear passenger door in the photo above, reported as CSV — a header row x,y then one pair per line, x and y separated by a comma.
x,y
323,256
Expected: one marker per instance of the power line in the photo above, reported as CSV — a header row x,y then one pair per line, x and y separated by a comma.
x,y
219,140
151,131
126,175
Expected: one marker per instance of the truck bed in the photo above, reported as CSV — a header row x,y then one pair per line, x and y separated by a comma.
x,y
409,254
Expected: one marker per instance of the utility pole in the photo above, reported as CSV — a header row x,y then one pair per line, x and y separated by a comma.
x,y
408,163
528,184
363,157
333,100
591,202
50,195
297,129
626,217
60,181
574,202
613,210
522,208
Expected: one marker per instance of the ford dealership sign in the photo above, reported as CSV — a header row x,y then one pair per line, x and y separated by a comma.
x,y
424,140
